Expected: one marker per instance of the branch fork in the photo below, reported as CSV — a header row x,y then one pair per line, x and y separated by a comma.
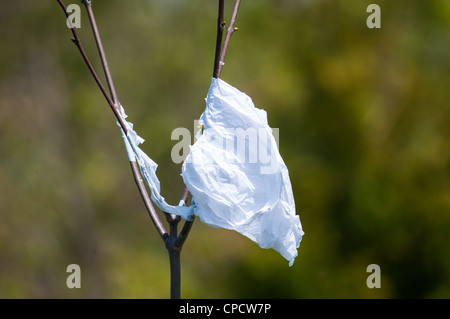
x,y
172,240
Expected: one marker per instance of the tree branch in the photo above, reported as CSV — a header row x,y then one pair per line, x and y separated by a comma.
x,y
179,242
148,202
77,42
101,52
134,167
230,31
220,28
110,82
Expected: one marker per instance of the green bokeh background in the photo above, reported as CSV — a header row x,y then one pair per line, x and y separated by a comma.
x,y
364,130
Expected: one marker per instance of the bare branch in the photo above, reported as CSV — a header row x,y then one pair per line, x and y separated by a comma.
x,y
220,28
186,227
147,202
185,195
230,31
134,167
136,173
183,234
101,52
77,42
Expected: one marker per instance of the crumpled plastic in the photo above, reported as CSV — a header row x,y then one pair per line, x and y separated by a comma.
x,y
236,175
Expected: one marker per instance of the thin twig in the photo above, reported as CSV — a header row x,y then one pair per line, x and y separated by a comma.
x,y
101,52
183,234
109,79
220,28
148,202
139,182
185,195
134,167
77,42
230,31
219,56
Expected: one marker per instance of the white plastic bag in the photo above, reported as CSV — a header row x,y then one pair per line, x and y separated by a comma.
x,y
236,175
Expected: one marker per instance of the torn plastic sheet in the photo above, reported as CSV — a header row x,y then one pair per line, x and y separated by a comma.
x,y
148,170
236,175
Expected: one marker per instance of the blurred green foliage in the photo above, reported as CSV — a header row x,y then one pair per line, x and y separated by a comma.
x,y
363,117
